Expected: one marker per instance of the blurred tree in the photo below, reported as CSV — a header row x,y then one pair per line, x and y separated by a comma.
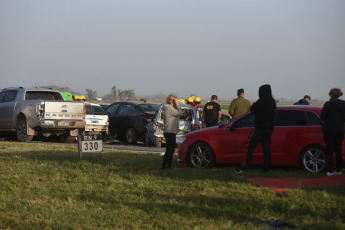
x,y
60,88
126,95
91,94
110,97
113,90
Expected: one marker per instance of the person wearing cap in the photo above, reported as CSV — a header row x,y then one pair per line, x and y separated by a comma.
x,y
190,101
197,102
239,106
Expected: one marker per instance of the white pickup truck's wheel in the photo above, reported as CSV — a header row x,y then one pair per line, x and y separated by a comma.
x,y
22,131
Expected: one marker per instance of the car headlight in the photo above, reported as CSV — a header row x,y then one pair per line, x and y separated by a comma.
x,y
182,139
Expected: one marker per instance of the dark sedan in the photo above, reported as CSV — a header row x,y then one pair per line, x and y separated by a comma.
x,y
127,120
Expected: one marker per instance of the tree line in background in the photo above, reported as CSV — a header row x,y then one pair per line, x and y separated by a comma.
x,y
115,94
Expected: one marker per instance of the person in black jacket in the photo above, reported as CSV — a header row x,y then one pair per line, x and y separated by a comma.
x,y
264,110
333,118
304,101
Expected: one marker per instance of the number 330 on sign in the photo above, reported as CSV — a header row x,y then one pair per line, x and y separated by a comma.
x,y
89,145
92,146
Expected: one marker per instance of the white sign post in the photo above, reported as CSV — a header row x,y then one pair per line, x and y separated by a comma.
x,y
89,143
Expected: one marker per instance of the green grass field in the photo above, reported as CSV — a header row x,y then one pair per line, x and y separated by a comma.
x,y
48,187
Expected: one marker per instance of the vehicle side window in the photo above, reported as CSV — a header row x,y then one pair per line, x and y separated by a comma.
x,y
88,109
290,118
147,108
111,109
2,96
126,109
246,121
11,96
313,119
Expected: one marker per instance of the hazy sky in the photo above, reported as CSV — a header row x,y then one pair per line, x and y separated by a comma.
x,y
179,46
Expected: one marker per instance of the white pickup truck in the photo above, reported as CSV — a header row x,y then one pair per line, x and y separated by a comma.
x,y
32,111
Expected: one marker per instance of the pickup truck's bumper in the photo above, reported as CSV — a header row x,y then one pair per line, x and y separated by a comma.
x,y
62,124
96,128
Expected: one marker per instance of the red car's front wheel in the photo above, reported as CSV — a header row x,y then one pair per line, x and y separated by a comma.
x,y
201,155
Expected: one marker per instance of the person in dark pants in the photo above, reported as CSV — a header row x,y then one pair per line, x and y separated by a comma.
x,y
264,110
212,112
333,118
172,112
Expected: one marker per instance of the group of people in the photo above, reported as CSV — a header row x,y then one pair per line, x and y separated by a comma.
x,y
194,102
264,109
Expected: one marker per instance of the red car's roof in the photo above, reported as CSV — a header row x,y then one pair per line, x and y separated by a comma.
x,y
313,108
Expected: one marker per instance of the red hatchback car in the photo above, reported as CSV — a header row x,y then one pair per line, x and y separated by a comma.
x,y
297,140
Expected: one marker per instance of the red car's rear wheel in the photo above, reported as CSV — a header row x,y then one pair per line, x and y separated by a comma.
x,y
313,158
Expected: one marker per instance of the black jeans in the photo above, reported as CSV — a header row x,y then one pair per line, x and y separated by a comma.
x,y
170,139
262,136
211,124
334,142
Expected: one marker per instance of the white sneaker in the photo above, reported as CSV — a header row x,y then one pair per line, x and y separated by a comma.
x,y
330,173
333,173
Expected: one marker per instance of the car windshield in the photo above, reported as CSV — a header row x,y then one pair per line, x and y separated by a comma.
x,y
149,108
95,110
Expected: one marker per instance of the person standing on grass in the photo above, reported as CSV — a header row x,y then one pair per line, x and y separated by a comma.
x,y
239,106
333,118
264,110
212,112
171,118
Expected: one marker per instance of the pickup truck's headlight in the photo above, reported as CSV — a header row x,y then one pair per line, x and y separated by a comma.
x,y
182,139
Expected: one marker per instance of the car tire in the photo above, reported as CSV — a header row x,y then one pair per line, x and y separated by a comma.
x,y
66,138
201,155
313,158
130,136
21,130
147,139
158,142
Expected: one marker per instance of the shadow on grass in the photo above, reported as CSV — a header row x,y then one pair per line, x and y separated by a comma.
x,y
201,207
234,204
148,163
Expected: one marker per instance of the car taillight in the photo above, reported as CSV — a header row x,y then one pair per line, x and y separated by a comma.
x,y
195,127
84,111
145,118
